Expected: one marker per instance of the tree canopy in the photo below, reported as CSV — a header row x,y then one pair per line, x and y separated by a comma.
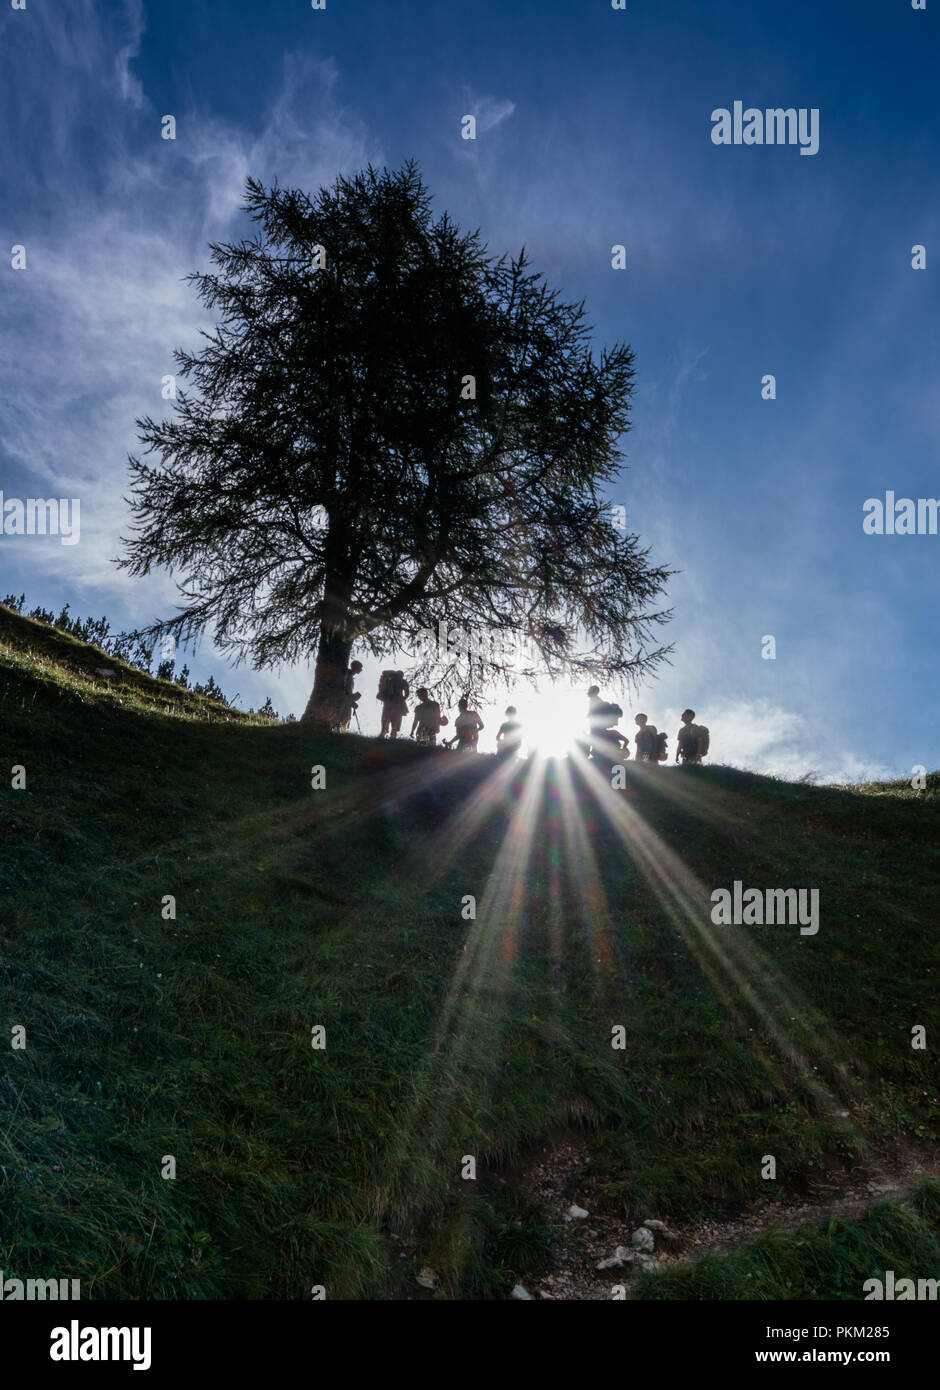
x,y
389,429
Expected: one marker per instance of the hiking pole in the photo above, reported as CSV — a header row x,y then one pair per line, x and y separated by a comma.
x,y
356,716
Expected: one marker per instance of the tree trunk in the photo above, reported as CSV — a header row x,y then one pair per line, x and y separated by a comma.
x,y
325,707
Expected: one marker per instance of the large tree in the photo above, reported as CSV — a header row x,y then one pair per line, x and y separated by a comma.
x,y
388,429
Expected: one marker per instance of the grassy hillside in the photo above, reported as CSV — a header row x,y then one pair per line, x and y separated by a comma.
x,y
149,1036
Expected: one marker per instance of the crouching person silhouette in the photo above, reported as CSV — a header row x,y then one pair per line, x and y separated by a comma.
x,y
605,740
467,727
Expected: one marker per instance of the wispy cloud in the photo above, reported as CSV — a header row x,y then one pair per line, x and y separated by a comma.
x,y
93,322
728,260
489,111
764,737
129,85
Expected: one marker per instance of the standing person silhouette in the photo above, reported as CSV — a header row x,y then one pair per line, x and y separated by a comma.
x,y
350,697
645,741
394,696
427,721
509,735
688,739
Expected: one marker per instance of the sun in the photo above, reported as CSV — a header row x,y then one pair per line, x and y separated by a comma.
x,y
552,719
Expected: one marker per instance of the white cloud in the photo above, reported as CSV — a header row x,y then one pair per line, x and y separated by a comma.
x,y
762,737
130,87
93,322
489,112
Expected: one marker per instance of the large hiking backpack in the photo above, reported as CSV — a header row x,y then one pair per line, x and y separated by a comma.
x,y
610,713
702,739
391,685
660,753
687,743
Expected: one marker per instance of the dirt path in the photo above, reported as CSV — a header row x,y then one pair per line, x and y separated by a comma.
x,y
555,1176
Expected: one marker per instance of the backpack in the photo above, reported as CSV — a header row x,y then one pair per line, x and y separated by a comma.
x,y
687,741
702,739
660,754
609,712
391,686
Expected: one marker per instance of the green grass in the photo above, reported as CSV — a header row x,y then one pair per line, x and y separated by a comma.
x,y
833,1261
341,1167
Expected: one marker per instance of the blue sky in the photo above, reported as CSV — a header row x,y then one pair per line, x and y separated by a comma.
x,y
593,130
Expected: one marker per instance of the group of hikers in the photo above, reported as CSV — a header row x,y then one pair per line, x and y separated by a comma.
x,y
608,744
605,742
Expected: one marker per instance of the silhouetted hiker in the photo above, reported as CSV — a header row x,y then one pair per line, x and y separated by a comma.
x,y
509,735
467,726
605,740
646,739
428,719
351,696
691,740
393,692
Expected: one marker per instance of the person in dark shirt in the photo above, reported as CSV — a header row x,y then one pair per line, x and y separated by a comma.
x,y
645,742
427,721
394,697
687,740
